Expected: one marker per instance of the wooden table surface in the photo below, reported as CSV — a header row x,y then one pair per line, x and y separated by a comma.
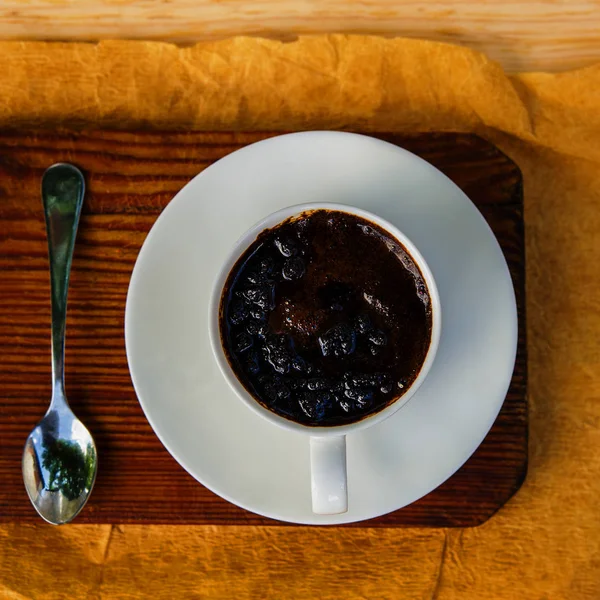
x,y
542,35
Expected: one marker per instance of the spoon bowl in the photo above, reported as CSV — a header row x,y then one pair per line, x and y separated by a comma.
x,y
60,460
59,466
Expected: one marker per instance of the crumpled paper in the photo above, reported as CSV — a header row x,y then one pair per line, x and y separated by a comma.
x,y
545,543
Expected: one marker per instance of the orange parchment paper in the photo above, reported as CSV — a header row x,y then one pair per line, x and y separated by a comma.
x,y
545,543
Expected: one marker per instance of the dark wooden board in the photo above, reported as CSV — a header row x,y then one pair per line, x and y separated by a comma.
x,y
131,177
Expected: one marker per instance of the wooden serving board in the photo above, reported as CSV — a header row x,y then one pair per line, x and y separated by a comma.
x,y
131,177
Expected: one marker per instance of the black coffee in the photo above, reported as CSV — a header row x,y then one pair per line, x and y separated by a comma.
x,y
325,319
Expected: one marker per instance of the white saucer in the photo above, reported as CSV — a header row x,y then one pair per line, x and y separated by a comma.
x,y
247,460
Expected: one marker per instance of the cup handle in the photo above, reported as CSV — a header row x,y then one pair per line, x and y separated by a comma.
x,y
329,483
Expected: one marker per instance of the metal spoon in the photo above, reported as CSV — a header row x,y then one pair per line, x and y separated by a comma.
x,y
59,459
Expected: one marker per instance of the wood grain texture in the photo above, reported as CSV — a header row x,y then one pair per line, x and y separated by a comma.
x,y
131,177
541,35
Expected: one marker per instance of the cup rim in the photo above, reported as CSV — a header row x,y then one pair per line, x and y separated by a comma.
x,y
226,369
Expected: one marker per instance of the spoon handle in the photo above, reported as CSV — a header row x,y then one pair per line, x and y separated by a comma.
x,y
63,187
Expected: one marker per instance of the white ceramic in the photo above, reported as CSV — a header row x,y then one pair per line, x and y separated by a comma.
x,y
327,444
229,448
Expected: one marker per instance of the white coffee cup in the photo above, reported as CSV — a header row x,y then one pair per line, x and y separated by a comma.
x,y
327,444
